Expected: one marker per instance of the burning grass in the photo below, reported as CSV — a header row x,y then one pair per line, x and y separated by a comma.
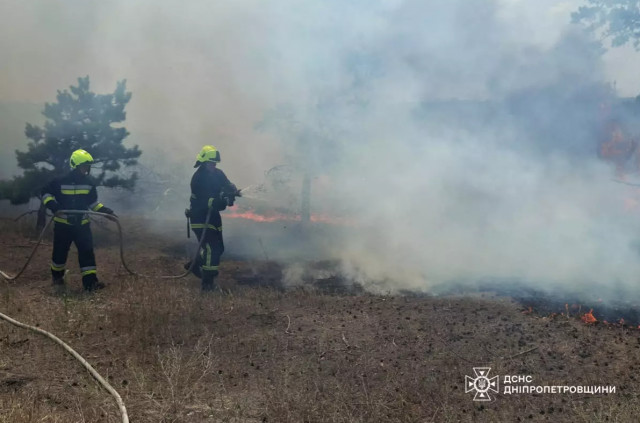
x,y
269,355
250,214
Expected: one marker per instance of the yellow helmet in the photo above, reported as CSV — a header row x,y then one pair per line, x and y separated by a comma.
x,y
79,157
207,154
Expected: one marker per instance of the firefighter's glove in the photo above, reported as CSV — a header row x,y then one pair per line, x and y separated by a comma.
x,y
226,199
53,206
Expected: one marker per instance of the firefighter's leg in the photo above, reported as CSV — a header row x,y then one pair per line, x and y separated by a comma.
x,y
196,269
86,258
62,238
212,251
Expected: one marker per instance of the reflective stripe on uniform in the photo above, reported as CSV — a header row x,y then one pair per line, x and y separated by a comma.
x,y
57,267
208,225
75,189
205,267
96,206
207,259
210,202
46,198
88,270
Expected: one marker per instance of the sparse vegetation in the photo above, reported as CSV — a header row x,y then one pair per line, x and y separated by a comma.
x,y
268,355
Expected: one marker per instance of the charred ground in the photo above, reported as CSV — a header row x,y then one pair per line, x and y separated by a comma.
x,y
323,351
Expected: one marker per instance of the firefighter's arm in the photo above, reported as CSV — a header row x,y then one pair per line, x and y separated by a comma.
x,y
237,191
231,188
216,203
96,205
228,195
48,196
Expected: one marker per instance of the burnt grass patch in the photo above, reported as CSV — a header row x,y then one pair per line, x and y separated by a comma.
x,y
618,305
292,352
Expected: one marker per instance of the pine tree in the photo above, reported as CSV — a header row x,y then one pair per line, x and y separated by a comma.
x,y
79,119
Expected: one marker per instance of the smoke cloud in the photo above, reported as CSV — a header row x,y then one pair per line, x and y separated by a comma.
x,y
460,137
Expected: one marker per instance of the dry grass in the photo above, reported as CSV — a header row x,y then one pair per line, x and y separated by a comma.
x,y
262,355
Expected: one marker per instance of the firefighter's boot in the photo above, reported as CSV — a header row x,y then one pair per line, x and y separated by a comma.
x,y
196,268
208,283
91,283
59,282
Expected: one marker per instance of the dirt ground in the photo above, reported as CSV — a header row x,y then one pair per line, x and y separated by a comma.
x,y
310,354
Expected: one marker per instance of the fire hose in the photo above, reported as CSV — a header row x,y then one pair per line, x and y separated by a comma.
x,y
121,246
229,198
94,373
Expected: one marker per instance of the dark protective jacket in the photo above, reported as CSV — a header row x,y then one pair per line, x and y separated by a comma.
x,y
207,189
73,191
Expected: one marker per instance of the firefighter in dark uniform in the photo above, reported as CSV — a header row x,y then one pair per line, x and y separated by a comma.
x,y
211,191
75,191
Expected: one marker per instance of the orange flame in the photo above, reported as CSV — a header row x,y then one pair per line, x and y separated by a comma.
x,y
280,217
618,148
249,215
589,317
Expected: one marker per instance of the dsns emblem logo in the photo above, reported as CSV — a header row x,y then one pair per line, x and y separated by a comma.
x,y
481,384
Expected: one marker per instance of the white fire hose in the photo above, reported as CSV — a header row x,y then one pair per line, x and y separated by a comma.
x,y
94,373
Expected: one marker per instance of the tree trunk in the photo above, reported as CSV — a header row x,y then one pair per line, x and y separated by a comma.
x,y
42,217
305,207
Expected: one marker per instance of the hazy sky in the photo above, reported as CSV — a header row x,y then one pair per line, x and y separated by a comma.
x,y
213,58
469,198
194,65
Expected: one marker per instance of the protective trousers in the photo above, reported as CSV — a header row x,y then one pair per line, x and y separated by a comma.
x,y
63,236
208,261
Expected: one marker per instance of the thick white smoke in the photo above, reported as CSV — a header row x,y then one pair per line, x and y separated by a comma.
x,y
459,135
